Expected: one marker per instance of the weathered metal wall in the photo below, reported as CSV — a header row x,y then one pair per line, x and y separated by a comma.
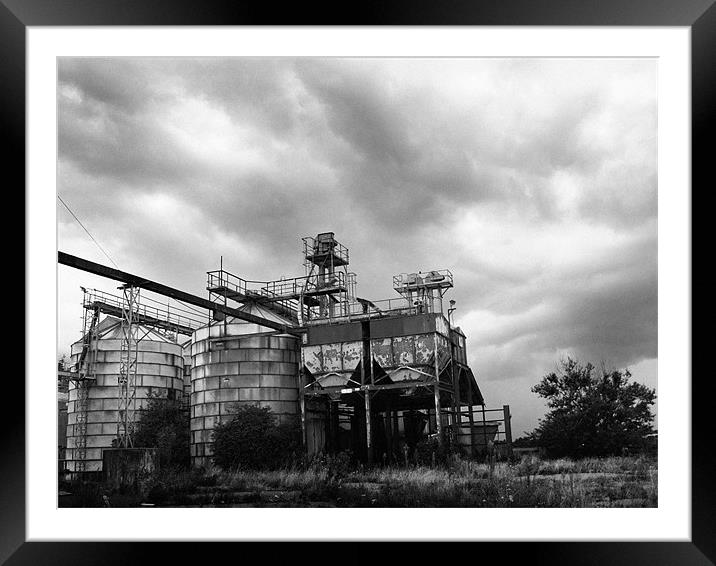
x,y
409,340
341,356
231,366
389,352
160,370
404,350
459,347
379,328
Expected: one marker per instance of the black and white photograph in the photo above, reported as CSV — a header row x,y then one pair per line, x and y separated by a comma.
x,y
359,282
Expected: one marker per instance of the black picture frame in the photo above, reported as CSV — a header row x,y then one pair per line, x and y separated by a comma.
x,y
699,15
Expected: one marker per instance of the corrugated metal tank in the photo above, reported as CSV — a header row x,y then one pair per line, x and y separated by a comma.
x,y
160,370
235,362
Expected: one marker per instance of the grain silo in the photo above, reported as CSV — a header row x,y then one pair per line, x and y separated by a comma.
x,y
237,362
93,407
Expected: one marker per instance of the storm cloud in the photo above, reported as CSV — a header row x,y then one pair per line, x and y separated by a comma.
x,y
533,180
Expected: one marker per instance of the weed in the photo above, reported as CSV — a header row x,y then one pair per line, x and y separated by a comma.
x,y
454,482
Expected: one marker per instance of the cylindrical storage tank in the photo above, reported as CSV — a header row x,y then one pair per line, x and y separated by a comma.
x,y
160,371
235,362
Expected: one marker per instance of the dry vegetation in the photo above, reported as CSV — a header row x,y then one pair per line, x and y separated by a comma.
x,y
332,482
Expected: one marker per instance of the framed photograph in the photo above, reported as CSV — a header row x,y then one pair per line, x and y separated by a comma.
x,y
518,177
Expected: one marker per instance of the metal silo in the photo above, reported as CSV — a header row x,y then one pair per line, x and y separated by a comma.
x,y
92,411
239,362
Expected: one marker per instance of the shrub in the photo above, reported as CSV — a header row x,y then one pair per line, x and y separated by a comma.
x,y
253,440
164,425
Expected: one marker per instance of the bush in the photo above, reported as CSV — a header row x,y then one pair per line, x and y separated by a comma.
x,y
253,440
164,425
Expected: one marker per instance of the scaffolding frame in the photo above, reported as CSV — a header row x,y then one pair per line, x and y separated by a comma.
x,y
127,379
133,316
441,383
168,321
83,377
482,431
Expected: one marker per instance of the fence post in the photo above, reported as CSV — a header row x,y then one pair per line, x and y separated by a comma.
x,y
508,429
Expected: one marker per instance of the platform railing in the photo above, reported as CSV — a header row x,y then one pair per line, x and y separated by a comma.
x,y
168,316
311,247
307,284
224,279
351,309
282,288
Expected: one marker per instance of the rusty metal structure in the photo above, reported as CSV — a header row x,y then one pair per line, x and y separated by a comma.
x,y
373,377
377,376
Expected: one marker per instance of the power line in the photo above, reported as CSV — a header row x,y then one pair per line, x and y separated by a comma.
x,y
195,311
85,229
189,307
175,308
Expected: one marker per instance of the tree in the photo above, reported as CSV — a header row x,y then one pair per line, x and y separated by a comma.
x,y
593,413
253,440
164,425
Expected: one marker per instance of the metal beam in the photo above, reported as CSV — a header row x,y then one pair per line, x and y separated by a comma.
x,y
136,281
349,390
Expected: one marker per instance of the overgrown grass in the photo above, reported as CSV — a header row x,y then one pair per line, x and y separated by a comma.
x,y
606,482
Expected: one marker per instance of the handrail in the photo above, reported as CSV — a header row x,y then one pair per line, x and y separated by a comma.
x,y
290,288
168,316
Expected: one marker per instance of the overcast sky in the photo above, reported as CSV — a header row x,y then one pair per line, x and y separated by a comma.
x,y
533,180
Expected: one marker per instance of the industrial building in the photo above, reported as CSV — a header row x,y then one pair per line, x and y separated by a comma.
x,y
372,377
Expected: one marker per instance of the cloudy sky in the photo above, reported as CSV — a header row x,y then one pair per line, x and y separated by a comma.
x,y
533,180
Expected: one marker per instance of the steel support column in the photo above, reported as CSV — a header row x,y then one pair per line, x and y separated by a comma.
x,y
128,370
368,439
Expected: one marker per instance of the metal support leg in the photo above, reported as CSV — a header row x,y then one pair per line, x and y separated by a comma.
x,y
438,419
368,439
389,433
302,408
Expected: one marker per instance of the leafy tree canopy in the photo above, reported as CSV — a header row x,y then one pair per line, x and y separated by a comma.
x,y
593,413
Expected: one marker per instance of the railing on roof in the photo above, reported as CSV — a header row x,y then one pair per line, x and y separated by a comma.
x,y
221,279
166,318
308,285
352,309
281,289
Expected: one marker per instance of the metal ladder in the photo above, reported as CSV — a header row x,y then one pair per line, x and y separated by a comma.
x,y
85,374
